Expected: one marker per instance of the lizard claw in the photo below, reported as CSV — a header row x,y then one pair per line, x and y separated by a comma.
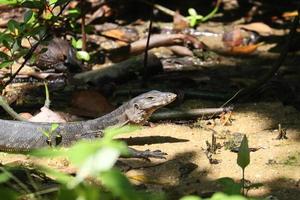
x,y
148,154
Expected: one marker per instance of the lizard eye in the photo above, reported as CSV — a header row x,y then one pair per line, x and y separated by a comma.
x,y
136,106
150,98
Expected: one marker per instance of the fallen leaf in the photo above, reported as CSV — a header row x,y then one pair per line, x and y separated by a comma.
x,y
244,50
125,34
179,22
47,115
258,27
90,103
26,115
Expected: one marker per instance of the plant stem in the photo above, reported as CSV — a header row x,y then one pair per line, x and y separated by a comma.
x,y
243,182
213,12
9,110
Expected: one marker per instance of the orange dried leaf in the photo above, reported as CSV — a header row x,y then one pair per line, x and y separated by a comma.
x,y
179,22
244,50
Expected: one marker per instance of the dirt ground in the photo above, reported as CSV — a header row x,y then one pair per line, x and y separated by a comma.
x,y
187,170
275,164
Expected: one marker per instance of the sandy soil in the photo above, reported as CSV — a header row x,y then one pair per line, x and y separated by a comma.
x,y
275,164
187,170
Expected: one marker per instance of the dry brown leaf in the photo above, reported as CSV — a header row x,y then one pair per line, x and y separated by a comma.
x,y
179,22
124,34
90,103
258,27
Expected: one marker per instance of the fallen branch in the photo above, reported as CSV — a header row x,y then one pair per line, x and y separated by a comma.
x,y
120,72
189,114
158,40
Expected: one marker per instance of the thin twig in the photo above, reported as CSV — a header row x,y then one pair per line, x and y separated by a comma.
x,y
147,48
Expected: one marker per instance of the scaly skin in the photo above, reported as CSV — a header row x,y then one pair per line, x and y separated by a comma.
x,y
22,136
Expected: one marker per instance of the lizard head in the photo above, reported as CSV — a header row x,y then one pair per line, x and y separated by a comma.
x,y
145,104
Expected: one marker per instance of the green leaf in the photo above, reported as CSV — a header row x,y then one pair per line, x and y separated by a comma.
x,y
7,194
191,197
103,160
83,55
192,12
229,186
13,26
75,12
193,22
62,178
9,2
118,184
54,126
113,131
3,56
6,37
78,44
65,193
33,4
222,196
4,177
73,42
45,133
243,158
81,151
6,63
28,15
51,2
61,2
47,152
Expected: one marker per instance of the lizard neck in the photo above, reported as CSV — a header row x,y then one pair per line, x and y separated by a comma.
x,y
116,117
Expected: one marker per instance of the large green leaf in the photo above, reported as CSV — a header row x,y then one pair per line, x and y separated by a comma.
x,y
113,131
119,185
102,160
4,177
190,198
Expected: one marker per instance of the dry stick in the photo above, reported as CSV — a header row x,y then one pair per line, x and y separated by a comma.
x,y
189,114
145,77
32,49
252,88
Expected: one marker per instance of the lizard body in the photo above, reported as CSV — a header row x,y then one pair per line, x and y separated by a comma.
x,y
24,136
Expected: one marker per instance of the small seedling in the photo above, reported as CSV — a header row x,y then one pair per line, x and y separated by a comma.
x,y
194,18
80,54
49,133
243,159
